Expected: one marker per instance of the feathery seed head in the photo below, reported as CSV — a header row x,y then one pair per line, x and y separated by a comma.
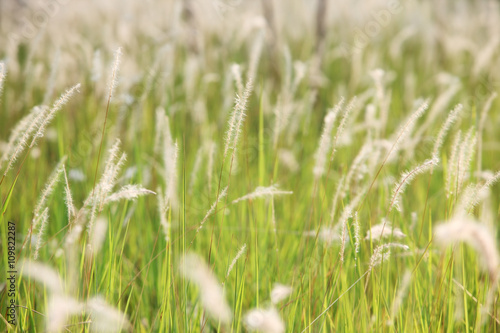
x,y
280,292
288,159
237,117
52,112
325,140
42,273
474,194
238,255
96,66
405,179
25,131
452,117
162,211
106,318
43,224
398,300
59,309
19,136
69,198
465,229
236,71
264,320
407,128
3,74
383,252
98,234
222,194
49,188
128,192
114,72
326,235
263,192
384,230
212,297
340,129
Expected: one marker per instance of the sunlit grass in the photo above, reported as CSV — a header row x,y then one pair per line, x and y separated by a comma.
x,y
247,176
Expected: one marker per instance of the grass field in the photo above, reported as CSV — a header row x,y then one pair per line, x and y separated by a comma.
x,y
235,165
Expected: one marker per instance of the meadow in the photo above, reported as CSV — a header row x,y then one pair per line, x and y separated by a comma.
x,y
240,166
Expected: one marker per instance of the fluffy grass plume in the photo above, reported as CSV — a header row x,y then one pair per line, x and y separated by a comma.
x,y
263,192
43,274
479,237
43,220
50,114
452,117
405,179
237,118
187,116
212,296
280,292
463,229
264,320
325,140
33,126
384,230
106,318
235,260
48,190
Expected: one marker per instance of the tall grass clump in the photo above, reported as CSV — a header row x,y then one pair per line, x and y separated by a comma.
x,y
249,166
